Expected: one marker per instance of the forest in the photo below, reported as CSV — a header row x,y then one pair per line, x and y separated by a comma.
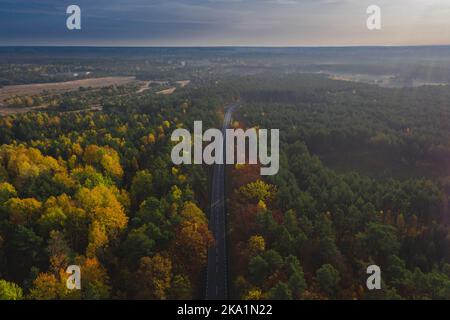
x,y
98,189
88,180
311,231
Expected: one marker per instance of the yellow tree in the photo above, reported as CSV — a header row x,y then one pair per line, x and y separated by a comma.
x,y
24,163
154,277
256,245
253,294
105,213
7,191
52,286
95,283
193,213
45,287
23,211
106,158
190,247
258,191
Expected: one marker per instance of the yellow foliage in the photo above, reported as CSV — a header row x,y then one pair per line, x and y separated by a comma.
x,y
151,138
258,190
256,245
94,273
105,213
97,238
262,206
66,204
45,287
62,178
176,193
23,211
112,166
77,149
191,245
7,191
155,276
105,157
72,161
122,129
49,286
101,204
51,218
111,218
23,163
193,213
253,294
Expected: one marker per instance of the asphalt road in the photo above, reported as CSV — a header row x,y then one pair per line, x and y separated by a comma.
x,y
217,273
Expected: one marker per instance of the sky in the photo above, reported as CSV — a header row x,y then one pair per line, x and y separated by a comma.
x,y
224,22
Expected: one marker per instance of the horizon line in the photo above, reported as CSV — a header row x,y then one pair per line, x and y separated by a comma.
x,y
225,46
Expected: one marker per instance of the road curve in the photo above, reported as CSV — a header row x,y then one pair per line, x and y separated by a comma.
x,y
217,272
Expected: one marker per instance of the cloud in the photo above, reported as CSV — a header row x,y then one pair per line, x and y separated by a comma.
x,y
230,22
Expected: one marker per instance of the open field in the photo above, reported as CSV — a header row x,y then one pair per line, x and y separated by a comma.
x,y
8,111
381,80
144,86
32,89
183,83
386,81
167,91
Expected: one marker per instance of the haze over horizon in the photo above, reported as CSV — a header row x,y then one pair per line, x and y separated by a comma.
x,y
225,23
